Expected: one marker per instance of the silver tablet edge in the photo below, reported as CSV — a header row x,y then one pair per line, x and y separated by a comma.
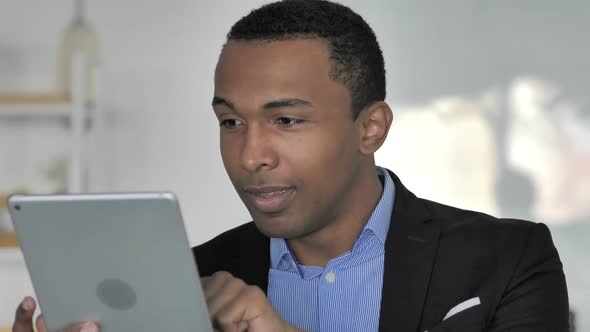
x,y
24,198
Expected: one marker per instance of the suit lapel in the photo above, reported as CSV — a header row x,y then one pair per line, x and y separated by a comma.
x,y
410,250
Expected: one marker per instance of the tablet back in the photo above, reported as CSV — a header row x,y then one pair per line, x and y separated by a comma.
x,y
122,260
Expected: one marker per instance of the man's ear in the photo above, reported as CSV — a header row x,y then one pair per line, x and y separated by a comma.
x,y
373,125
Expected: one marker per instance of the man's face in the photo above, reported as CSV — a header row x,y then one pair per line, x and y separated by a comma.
x,y
288,141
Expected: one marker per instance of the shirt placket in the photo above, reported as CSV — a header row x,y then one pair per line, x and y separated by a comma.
x,y
329,300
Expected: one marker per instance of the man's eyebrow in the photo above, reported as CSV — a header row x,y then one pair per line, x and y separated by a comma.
x,y
286,102
221,101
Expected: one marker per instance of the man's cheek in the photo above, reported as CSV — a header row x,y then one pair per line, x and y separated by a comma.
x,y
230,156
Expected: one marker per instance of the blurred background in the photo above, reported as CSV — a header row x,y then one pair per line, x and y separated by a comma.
x,y
490,98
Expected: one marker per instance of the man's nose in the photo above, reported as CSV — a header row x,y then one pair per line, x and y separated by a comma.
x,y
257,152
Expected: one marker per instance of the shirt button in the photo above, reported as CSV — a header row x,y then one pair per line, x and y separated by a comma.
x,y
330,277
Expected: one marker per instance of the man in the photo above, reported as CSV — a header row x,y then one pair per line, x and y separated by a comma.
x,y
336,243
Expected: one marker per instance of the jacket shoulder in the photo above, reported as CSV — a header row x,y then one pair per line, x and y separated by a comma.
x,y
511,264
452,219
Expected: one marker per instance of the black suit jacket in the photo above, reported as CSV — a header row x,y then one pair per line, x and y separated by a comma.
x,y
436,257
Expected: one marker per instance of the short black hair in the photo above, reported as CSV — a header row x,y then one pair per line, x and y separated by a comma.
x,y
357,60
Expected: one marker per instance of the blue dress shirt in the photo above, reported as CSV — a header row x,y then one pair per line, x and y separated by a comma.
x,y
345,295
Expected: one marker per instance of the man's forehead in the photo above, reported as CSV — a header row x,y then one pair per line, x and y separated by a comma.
x,y
278,40
280,48
277,60
255,72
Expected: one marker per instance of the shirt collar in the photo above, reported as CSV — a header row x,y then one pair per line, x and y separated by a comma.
x,y
381,217
378,223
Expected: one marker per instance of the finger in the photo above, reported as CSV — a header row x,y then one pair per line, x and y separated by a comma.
x,y
245,307
208,280
228,293
84,327
87,327
40,323
214,284
205,281
250,311
23,318
242,326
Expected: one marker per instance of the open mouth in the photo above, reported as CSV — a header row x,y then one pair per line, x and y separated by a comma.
x,y
270,199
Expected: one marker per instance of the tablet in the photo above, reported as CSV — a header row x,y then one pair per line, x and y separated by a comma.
x,y
122,260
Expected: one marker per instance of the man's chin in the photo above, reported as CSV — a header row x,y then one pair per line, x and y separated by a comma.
x,y
274,228
271,228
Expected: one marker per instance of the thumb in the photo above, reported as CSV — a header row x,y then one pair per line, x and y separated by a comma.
x,y
23,318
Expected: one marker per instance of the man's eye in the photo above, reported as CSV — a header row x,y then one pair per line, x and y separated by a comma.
x,y
230,123
288,122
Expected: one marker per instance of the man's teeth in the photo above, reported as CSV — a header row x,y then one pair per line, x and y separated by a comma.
x,y
272,193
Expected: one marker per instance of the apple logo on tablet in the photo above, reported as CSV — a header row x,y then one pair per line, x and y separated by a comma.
x,y
116,294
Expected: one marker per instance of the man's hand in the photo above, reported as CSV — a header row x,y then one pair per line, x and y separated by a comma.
x,y
236,307
23,320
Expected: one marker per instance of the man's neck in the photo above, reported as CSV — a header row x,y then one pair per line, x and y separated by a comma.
x,y
338,237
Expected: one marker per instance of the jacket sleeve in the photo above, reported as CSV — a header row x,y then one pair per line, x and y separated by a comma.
x,y
536,297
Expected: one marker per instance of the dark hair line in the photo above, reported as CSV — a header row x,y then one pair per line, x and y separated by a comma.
x,y
357,60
